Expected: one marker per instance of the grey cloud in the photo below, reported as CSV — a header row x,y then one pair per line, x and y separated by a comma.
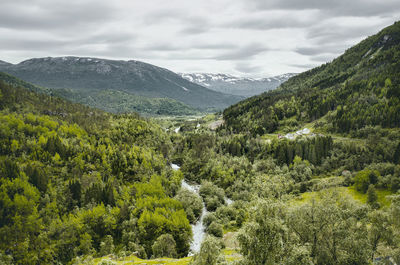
x,y
109,37
219,36
304,66
337,7
331,49
333,33
194,25
277,22
173,47
214,46
194,29
54,14
248,68
162,47
245,52
161,16
323,58
33,45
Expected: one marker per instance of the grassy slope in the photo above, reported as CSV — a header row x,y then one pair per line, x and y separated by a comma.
x,y
356,195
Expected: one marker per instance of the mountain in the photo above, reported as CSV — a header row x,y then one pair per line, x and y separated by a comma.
x,y
358,89
3,63
234,85
91,80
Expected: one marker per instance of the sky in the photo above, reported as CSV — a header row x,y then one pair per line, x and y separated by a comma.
x,y
254,38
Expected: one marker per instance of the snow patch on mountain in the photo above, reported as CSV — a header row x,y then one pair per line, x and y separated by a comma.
x,y
241,86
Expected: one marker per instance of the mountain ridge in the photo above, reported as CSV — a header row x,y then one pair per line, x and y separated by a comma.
x,y
241,86
88,75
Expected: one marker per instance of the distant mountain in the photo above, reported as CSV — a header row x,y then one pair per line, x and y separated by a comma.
x,y
4,63
97,82
234,85
360,88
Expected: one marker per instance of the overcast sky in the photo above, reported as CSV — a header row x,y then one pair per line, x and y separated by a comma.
x,y
242,37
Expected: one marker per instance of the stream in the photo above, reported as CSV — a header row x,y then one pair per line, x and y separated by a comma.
x,y
197,228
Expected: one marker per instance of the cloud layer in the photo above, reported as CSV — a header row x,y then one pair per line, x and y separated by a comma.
x,y
242,37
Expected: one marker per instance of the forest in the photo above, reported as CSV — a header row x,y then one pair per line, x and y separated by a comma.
x,y
82,186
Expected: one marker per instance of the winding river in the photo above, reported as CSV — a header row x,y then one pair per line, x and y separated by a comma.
x,y
198,227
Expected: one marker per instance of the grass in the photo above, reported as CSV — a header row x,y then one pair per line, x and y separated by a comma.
x,y
231,255
356,195
382,195
133,260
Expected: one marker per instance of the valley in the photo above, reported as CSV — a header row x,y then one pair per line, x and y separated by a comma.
x,y
307,173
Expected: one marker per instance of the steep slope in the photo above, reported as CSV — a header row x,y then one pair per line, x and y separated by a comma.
x,y
234,85
360,88
89,76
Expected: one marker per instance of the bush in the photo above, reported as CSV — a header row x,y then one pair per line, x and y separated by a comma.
x,y
208,219
164,246
364,178
107,246
192,204
213,196
215,229
212,203
372,197
209,253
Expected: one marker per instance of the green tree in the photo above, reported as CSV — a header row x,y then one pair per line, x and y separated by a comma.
x,y
192,204
372,197
209,254
164,246
334,227
107,246
215,229
264,239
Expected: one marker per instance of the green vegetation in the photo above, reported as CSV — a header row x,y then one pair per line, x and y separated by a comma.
x,y
81,186
76,182
121,102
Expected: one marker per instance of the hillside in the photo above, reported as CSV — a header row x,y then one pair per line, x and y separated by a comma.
x,y
72,175
360,88
234,85
85,80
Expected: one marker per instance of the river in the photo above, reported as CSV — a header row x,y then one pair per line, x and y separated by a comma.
x,y
197,228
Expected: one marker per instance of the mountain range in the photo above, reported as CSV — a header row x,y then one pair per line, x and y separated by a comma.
x,y
240,86
119,86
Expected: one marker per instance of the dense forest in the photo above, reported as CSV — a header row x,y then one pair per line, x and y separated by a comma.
x,y
306,174
76,181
